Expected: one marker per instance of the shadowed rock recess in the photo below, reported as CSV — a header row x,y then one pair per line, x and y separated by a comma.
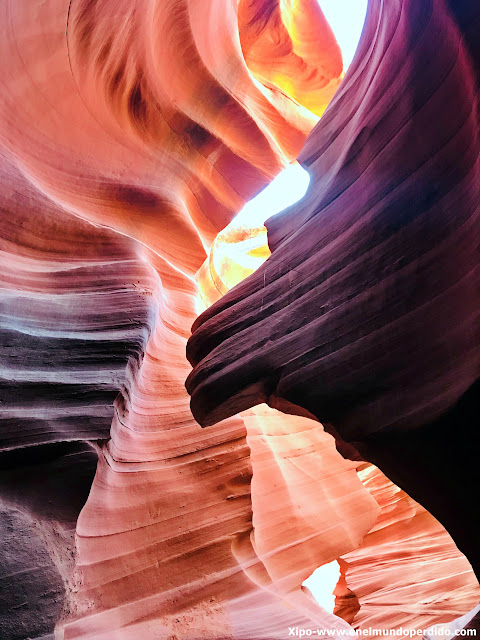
x,y
131,133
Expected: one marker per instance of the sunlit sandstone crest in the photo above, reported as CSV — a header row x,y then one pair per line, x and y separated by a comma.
x,y
366,315
131,134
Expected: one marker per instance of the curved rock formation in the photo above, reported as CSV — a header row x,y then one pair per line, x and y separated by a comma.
x,y
367,312
131,133
366,315
407,572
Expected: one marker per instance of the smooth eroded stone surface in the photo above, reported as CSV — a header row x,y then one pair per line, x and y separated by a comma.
x,y
366,315
131,134
367,312
407,572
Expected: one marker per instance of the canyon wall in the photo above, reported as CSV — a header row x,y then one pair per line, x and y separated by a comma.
x,y
131,134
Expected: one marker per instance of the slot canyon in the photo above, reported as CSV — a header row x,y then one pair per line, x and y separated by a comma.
x,y
199,414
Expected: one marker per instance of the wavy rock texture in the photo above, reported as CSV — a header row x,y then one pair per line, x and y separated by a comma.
x,y
393,197
366,316
131,134
407,572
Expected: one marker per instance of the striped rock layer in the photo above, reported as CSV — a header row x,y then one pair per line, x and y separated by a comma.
x,y
130,135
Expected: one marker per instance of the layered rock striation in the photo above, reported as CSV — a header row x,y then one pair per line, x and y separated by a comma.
x,y
366,315
131,133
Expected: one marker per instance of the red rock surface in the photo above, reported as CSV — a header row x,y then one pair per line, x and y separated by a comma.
x,y
372,286
366,315
407,573
131,133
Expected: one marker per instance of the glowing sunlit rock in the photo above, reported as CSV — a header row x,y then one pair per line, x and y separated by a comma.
x,y
131,134
366,314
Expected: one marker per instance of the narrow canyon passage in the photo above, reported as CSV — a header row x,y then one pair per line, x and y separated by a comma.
x,y
131,134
